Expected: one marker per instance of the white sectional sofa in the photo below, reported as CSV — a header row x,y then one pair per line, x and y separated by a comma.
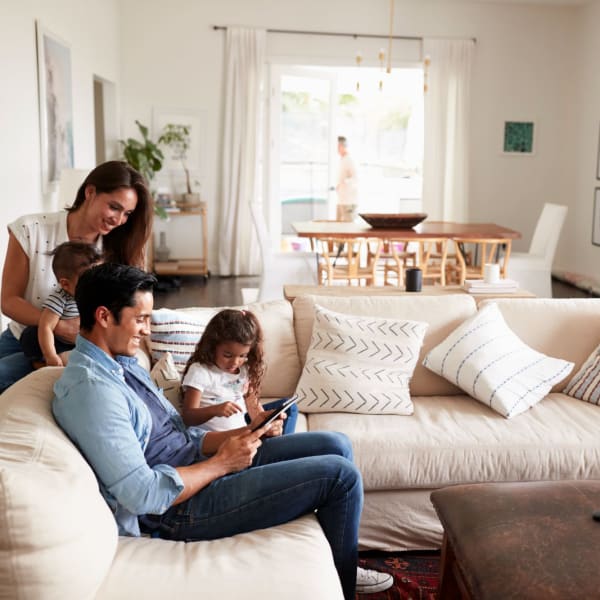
x,y
59,539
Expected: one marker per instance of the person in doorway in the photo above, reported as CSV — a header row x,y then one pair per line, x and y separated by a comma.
x,y
112,210
347,183
178,483
39,344
222,378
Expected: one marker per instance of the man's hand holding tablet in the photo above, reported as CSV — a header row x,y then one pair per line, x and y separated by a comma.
x,y
275,413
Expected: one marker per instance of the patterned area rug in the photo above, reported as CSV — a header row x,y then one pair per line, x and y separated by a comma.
x,y
416,574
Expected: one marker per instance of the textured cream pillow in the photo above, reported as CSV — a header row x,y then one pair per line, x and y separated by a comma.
x,y
492,364
585,384
167,378
359,364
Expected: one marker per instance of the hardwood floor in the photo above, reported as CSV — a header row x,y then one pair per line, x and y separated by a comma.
x,y
226,291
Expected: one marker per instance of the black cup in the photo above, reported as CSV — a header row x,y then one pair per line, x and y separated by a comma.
x,y
413,280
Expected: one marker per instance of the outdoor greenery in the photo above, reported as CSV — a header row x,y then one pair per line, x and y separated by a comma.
x,y
177,137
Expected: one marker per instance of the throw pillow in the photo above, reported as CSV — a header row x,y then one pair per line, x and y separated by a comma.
x,y
167,378
177,332
585,385
492,364
359,364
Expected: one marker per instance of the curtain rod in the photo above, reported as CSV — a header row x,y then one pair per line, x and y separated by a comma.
x,y
334,33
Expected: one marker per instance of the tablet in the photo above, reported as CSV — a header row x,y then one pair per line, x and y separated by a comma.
x,y
284,406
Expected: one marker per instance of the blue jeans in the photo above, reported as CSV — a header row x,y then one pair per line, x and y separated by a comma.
x,y
289,425
13,363
291,476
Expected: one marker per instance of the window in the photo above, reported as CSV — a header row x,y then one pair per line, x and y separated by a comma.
x,y
310,107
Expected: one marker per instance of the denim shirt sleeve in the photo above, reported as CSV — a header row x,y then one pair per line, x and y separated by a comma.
x,y
102,421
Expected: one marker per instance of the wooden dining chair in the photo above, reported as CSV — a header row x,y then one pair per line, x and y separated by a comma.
x,y
353,260
432,259
396,255
473,254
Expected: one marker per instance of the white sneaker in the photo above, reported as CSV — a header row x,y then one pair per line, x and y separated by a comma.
x,y
370,582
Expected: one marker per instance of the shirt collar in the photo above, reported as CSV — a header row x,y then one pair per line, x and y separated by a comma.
x,y
97,354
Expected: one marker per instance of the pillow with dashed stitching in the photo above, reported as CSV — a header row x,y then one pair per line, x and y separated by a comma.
x,y
360,364
487,360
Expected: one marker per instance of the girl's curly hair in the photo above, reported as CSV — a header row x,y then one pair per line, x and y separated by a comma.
x,y
230,325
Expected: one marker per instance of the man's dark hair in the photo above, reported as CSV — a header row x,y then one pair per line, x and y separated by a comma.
x,y
111,285
70,258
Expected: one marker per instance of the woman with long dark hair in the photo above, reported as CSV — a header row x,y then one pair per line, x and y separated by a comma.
x,y
112,210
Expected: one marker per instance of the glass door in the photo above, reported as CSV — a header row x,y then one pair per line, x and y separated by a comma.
x,y
302,147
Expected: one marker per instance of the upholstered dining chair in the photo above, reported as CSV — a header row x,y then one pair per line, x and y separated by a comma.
x,y
353,260
533,269
471,263
279,268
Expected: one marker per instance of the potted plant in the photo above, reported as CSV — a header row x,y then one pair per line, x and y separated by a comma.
x,y
176,136
145,157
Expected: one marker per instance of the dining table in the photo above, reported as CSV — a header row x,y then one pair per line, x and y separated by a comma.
x,y
461,233
422,231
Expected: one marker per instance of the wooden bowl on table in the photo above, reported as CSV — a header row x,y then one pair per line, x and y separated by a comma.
x,y
393,220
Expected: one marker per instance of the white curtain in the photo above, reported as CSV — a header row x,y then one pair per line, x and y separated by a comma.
x,y
447,103
244,60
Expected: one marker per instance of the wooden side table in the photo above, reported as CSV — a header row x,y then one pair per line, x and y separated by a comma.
x,y
530,540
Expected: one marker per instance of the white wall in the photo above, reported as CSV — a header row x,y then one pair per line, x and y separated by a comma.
x,y
582,112
91,30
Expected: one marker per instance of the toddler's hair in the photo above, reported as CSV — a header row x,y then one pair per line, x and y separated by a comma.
x,y
70,258
230,325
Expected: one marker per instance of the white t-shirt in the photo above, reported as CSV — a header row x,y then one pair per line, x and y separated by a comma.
x,y
347,185
38,234
218,386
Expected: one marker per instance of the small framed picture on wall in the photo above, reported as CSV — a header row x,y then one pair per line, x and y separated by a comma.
x,y
518,137
596,221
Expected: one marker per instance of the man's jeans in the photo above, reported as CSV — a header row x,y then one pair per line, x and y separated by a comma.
x,y
13,363
291,475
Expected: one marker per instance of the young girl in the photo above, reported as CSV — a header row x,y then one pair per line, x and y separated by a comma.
x,y
226,369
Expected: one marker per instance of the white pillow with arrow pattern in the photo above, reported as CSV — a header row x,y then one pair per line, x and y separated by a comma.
x,y
360,364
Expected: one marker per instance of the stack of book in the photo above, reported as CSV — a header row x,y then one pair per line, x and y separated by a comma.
x,y
502,286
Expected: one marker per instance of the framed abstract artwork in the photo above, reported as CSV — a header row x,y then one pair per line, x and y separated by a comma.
x,y
596,220
55,105
518,137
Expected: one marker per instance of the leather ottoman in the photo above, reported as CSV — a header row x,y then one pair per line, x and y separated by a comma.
x,y
527,541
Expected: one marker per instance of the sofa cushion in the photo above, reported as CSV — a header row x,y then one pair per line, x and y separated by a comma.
x,y
291,561
455,439
442,313
585,384
488,361
359,364
58,535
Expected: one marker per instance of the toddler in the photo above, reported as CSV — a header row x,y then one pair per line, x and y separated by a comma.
x,y
39,344
222,378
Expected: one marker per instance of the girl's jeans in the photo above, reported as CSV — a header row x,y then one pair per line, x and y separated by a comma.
x,y
291,475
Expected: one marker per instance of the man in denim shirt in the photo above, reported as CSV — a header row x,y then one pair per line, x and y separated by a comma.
x,y
186,484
